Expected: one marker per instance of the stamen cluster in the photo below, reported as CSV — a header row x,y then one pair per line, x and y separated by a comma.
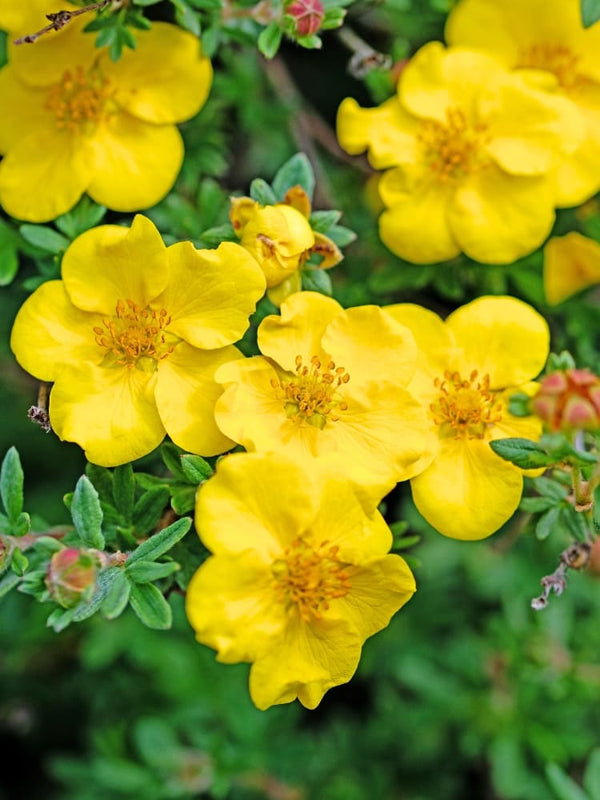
x,y
135,333
453,150
466,406
312,397
79,99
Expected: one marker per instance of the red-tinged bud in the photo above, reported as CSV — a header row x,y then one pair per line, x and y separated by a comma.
x,y
71,575
308,16
6,549
569,400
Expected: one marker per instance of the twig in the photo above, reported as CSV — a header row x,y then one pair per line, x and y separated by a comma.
x,y
576,556
364,58
59,19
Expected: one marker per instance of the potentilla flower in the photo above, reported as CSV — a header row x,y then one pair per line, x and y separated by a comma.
x,y
74,121
544,39
471,151
568,400
132,336
468,368
281,239
330,382
300,575
571,263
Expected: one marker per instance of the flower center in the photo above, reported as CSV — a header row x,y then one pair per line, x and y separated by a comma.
x,y
555,58
312,396
310,577
136,337
454,149
79,102
465,408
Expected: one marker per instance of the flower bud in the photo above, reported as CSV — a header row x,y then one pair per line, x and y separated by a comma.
x,y
569,400
71,575
6,549
307,15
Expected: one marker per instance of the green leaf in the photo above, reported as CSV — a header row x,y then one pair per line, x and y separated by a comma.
x,y
102,479
317,280
87,514
148,571
312,42
591,776
261,192
45,238
534,505
341,236
84,216
522,452
564,787
8,582
214,236
123,489
11,484
48,544
171,455
19,562
183,498
150,606
270,39
149,508
9,260
321,221
295,172
187,17
196,469
590,12
21,525
549,488
60,618
547,523
574,521
117,596
157,545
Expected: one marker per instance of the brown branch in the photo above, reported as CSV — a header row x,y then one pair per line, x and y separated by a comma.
x,y
59,19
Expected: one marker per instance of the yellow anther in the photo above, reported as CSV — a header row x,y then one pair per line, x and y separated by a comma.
x,y
465,408
135,333
312,396
455,148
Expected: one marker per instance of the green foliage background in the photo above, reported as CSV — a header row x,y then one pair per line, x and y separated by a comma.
x,y
467,694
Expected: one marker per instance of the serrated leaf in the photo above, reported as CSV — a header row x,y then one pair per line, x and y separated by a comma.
x,y
564,787
321,221
157,545
84,216
187,17
88,607
522,452
150,606
102,479
269,40
19,562
297,171
117,596
45,238
87,514
22,524
261,192
149,509
183,498
590,12
214,236
341,236
317,280
59,619
171,455
575,523
11,484
547,523
195,468
148,571
123,489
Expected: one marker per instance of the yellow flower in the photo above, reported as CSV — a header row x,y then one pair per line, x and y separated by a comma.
x,y
471,150
131,337
281,239
330,382
300,576
547,36
571,263
73,121
469,366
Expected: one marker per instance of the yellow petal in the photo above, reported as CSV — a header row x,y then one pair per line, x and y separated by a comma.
x,y
436,79
44,174
297,198
230,604
211,293
135,163
304,663
497,218
379,590
433,338
291,285
186,393
165,79
328,250
22,109
110,413
112,262
388,132
299,329
571,263
415,224
240,211
503,337
577,176
234,512
50,332
371,347
468,492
